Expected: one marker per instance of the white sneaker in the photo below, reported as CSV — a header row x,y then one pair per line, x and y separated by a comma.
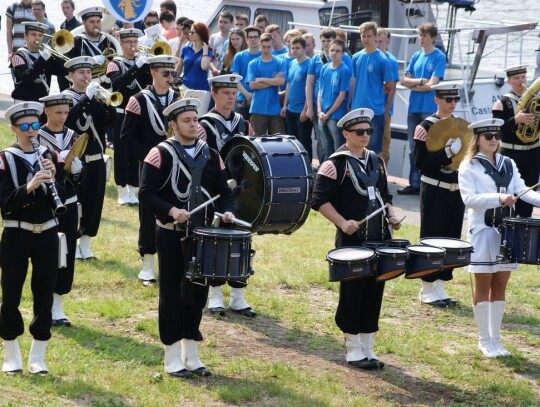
x,y
132,193
123,195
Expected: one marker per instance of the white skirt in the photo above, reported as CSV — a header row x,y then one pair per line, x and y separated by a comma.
x,y
487,245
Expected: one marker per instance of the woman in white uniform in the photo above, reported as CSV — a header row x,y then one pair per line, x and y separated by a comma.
x,y
489,183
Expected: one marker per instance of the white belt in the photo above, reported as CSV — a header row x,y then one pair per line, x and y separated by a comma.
x,y
441,184
32,227
171,226
119,110
71,200
94,157
521,147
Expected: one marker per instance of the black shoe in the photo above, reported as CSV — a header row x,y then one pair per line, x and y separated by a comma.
x,y
450,302
438,303
217,310
40,373
147,283
409,191
364,364
13,372
377,364
183,374
246,312
61,322
202,371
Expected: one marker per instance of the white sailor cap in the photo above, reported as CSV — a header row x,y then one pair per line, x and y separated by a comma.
x,y
34,26
129,32
446,89
361,115
23,109
57,100
514,70
79,62
91,12
162,61
225,81
486,126
181,106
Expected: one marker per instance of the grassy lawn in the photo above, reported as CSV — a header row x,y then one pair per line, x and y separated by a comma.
x,y
292,354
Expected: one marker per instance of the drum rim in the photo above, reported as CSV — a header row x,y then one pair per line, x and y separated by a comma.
x,y
210,231
521,221
359,248
411,247
403,250
467,245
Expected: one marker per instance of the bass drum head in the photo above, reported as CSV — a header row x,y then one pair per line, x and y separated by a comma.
x,y
274,182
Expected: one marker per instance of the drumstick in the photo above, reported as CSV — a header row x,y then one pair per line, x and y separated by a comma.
x,y
527,190
401,220
235,220
204,205
361,222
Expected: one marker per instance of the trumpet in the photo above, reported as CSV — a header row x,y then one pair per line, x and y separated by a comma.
x,y
62,41
109,98
159,48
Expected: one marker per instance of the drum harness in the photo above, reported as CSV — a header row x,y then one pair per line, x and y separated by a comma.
x,y
223,129
501,175
358,171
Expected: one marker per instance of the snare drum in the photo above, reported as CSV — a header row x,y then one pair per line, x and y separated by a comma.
x,y
350,263
391,262
222,254
424,260
458,252
401,243
275,181
520,239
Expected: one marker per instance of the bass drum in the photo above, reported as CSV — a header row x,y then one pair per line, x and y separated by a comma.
x,y
274,182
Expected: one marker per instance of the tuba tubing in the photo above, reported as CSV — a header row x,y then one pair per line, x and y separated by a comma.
x,y
530,103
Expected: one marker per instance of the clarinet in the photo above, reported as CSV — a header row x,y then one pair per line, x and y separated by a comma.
x,y
59,207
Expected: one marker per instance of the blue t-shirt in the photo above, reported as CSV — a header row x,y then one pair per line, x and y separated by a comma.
x,y
394,65
196,78
332,82
371,72
240,66
425,66
265,101
282,51
296,79
315,70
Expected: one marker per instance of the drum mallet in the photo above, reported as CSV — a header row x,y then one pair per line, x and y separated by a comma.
x,y
235,220
361,222
527,190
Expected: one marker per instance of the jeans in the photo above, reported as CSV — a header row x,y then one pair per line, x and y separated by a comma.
x,y
300,130
413,120
375,141
331,138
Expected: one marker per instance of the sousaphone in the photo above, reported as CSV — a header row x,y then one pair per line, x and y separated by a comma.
x,y
76,151
445,129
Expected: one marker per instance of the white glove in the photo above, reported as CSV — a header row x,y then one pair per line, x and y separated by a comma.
x,y
76,166
46,54
453,146
92,90
100,59
141,60
63,154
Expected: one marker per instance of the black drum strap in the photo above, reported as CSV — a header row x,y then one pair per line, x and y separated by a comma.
x,y
502,175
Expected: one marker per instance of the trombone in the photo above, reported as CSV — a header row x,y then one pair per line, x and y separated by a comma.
x,y
62,41
159,48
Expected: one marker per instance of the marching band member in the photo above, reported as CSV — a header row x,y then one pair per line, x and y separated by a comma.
x,y
441,207
144,127
216,127
526,155
55,136
32,67
179,174
129,74
30,233
91,115
349,186
488,182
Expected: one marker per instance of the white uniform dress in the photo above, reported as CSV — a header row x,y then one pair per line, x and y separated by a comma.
x,y
479,193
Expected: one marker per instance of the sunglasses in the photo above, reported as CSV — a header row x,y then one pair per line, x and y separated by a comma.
x,y
360,132
450,99
26,126
489,136
150,23
166,74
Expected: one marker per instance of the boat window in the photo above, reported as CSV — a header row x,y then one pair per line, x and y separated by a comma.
x,y
278,17
340,16
235,10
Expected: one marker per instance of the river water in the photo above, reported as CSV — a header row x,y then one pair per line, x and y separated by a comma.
x,y
492,10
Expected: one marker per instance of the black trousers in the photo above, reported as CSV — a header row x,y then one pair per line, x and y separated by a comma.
x,y
16,248
91,193
360,301
441,215
126,169
181,303
68,225
528,163
147,228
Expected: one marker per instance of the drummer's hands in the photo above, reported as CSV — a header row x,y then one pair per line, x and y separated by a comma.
x,y
394,222
507,200
227,217
349,226
179,215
